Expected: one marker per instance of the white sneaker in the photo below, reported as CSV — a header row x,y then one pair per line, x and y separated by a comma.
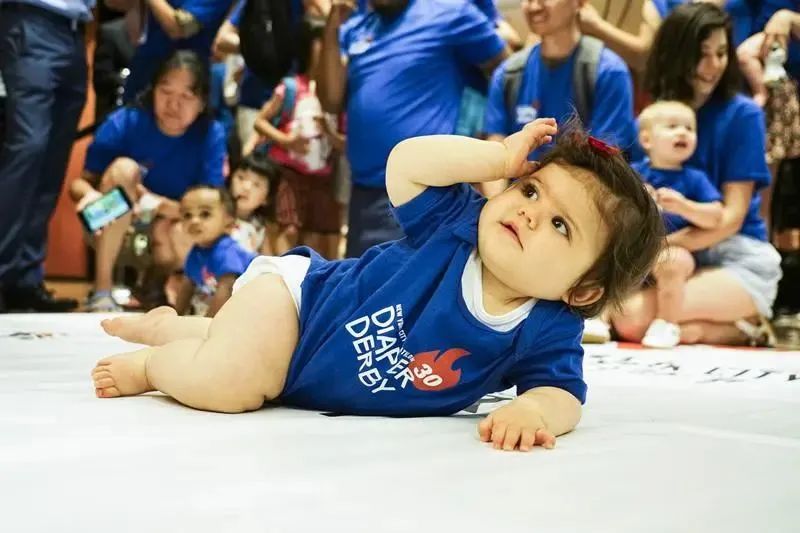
x,y
595,331
662,334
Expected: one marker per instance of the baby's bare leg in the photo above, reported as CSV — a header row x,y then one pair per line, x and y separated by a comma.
x,y
243,361
675,266
160,326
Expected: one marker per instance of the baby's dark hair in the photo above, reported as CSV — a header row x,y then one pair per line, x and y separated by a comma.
x,y
635,228
264,167
225,197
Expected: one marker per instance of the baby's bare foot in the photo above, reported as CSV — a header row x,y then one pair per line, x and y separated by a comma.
x,y
122,375
137,328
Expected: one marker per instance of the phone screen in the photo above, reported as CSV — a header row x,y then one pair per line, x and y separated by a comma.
x,y
105,209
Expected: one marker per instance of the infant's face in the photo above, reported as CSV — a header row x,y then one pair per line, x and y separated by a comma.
x,y
204,217
672,136
250,191
543,233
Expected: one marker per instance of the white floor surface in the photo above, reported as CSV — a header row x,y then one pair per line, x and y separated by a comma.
x,y
690,440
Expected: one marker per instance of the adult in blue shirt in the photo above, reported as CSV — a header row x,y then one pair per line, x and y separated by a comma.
x,y
693,61
158,148
400,70
173,25
547,86
43,64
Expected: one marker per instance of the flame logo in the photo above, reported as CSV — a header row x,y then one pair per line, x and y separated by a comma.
x,y
434,372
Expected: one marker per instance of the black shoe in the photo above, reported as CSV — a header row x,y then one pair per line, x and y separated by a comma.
x,y
38,299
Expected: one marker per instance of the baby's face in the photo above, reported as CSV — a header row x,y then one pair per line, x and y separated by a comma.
x,y
672,136
250,191
543,233
204,217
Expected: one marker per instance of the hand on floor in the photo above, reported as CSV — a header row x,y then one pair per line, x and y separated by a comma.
x,y
517,425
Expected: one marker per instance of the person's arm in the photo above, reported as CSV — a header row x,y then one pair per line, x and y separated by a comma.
x,y
706,215
736,197
82,186
781,26
749,59
184,297
634,49
337,139
221,295
536,417
264,127
488,67
226,42
332,81
441,160
176,23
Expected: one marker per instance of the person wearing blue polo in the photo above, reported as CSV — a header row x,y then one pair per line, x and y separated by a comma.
x,y
547,86
173,25
404,74
43,65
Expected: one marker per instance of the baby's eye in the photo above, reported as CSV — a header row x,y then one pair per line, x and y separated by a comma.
x,y
205,214
529,191
561,226
186,216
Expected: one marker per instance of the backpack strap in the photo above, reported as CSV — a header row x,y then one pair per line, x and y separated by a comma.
x,y
289,98
512,78
584,76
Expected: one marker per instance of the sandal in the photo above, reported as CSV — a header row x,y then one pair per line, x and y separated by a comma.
x,y
102,302
760,335
787,332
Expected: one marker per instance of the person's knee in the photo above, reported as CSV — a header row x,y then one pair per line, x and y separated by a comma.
x,y
123,172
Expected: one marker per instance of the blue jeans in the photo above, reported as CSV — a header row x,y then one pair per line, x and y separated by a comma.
x,y
43,63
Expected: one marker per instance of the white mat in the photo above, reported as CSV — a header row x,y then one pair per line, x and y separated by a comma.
x,y
691,440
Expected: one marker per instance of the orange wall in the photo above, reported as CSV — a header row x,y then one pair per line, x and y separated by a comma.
x,y
66,250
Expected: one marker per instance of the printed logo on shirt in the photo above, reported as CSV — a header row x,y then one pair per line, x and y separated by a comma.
x,y
385,366
526,113
209,282
359,46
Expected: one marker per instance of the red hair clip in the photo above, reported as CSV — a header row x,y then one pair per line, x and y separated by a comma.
x,y
603,147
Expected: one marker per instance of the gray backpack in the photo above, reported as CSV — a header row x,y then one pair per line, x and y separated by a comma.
x,y
584,76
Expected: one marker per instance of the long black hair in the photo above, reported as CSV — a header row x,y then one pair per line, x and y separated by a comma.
x,y
677,50
188,60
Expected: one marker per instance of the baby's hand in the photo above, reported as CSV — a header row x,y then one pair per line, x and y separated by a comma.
x,y
670,199
521,144
516,425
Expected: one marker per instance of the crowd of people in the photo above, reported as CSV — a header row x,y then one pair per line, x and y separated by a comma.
x,y
222,167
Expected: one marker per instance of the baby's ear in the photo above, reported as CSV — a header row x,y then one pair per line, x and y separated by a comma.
x,y
644,139
583,296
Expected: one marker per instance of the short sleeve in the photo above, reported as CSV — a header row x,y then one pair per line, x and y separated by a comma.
x,y
214,155
474,36
496,120
109,141
742,157
702,188
235,17
612,111
556,358
193,266
207,12
229,259
437,207
347,32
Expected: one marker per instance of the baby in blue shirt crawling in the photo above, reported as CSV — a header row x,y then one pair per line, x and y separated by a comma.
x,y
481,295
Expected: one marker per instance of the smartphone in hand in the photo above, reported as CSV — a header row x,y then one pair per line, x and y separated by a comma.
x,y
106,209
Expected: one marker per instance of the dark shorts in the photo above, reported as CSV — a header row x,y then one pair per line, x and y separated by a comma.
x,y
370,220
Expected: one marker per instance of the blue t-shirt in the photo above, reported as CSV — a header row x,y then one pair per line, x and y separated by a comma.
x,y
390,334
205,265
157,45
252,91
731,138
169,164
405,76
547,91
690,182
